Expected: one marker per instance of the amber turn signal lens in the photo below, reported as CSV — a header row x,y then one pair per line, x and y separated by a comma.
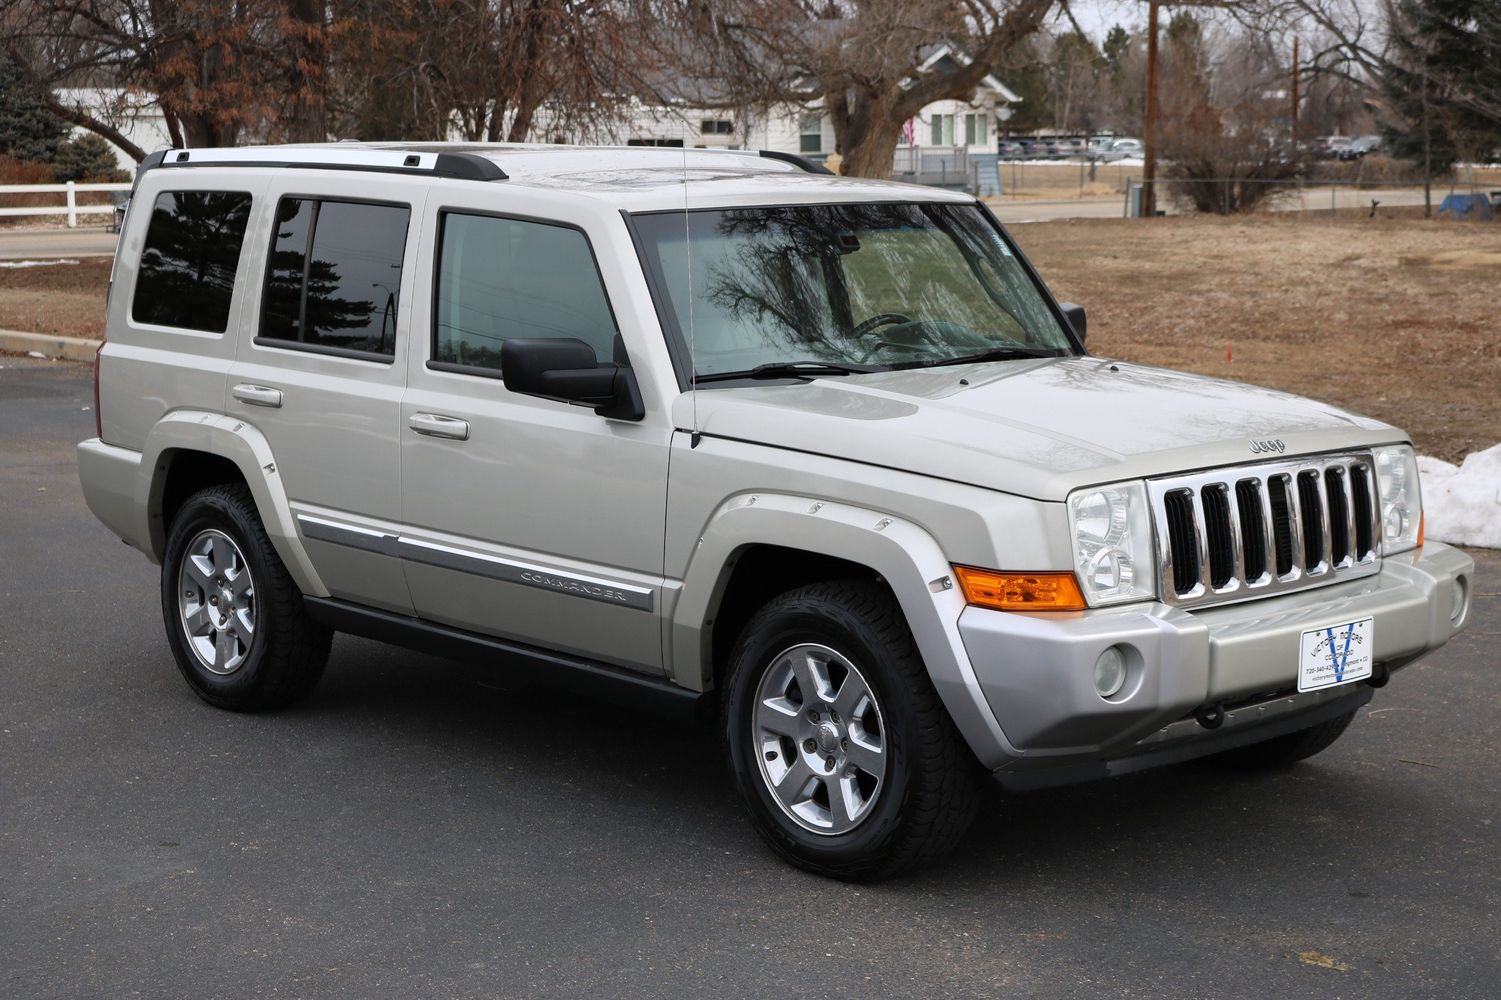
x,y
1422,528
1020,591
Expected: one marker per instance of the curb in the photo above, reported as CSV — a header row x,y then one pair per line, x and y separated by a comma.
x,y
67,348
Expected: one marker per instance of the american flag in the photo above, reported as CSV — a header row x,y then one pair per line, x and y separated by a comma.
x,y
909,132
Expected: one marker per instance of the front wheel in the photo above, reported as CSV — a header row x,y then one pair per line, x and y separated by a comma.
x,y
844,755
234,617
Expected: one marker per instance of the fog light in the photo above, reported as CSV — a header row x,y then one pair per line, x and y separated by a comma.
x,y
1461,599
1110,672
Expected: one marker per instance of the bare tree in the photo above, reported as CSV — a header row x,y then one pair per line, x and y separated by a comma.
x,y
865,62
218,70
489,70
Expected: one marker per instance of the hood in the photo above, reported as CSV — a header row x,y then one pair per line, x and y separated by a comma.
x,y
1036,428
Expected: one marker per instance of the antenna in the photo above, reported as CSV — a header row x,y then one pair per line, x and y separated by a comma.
x,y
692,355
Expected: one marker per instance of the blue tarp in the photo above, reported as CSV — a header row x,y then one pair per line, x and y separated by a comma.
x,y
1470,207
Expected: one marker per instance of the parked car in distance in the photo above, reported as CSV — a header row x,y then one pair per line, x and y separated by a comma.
x,y
1011,149
1359,147
1122,149
719,434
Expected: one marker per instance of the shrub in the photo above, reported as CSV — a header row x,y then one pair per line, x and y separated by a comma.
x,y
87,158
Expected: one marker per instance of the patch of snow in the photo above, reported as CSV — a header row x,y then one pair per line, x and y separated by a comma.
x,y
1462,503
36,354
36,263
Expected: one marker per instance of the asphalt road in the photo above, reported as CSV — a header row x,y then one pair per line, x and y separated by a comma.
x,y
44,244
417,829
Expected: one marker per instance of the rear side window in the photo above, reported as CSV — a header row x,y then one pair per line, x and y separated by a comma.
x,y
187,273
334,276
504,278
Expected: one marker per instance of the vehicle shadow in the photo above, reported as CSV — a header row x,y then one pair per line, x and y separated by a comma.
x,y
1180,822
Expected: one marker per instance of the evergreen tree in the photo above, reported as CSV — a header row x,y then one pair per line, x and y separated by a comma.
x,y
1443,81
28,131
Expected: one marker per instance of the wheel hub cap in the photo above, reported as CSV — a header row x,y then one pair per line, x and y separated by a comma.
x,y
820,739
216,602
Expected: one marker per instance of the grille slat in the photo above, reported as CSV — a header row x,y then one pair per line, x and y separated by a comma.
x,y
1339,515
1311,521
1267,528
1364,515
1183,539
1216,505
1252,529
1282,525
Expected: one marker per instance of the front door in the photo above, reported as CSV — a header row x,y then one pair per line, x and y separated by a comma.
x,y
526,518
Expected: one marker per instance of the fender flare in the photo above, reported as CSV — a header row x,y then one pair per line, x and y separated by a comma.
x,y
240,443
900,551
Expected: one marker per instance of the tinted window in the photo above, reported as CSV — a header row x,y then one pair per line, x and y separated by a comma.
x,y
187,273
335,274
502,278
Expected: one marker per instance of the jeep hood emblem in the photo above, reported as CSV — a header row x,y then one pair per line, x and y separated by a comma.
x,y
1267,445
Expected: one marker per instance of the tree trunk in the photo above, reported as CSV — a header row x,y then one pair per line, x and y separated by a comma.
x,y
307,119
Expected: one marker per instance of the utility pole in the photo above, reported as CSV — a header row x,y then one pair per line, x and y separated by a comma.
x,y
1295,94
1149,139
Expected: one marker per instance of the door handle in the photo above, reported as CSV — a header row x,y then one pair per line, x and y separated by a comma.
x,y
438,426
257,395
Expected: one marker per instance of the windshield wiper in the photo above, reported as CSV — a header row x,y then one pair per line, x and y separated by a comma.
x,y
791,369
994,354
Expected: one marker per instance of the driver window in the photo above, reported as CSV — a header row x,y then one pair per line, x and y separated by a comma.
x,y
504,278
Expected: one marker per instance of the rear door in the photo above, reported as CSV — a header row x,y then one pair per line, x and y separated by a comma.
x,y
321,367
527,518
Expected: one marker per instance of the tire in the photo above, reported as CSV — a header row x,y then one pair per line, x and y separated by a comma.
x,y
265,652
1285,751
864,825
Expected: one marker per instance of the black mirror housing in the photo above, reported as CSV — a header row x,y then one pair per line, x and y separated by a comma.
x,y
565,368
1074,313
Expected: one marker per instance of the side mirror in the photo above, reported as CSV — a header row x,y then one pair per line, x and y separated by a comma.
x,y
565,368
1074,313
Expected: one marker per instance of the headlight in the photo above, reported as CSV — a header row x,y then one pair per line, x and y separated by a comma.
x,y
1401,502
1112,543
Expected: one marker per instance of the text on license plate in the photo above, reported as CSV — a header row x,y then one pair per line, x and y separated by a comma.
x,y
1337,654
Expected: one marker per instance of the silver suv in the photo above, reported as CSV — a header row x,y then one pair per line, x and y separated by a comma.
x,y
716,432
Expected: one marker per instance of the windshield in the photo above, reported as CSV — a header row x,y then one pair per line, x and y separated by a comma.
x,y
873,285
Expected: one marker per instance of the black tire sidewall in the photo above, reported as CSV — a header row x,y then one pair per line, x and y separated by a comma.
x,y
221,510
774,630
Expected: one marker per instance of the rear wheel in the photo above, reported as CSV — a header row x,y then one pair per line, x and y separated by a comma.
x,y
1285,751
234,617
846,759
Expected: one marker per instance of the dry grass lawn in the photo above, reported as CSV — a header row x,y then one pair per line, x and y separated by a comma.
x,y
66,300
1396,318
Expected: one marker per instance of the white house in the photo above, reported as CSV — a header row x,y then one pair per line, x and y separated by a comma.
x,y
945,141
133,113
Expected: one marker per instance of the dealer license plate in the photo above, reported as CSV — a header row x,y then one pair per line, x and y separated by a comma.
x,y
1339,654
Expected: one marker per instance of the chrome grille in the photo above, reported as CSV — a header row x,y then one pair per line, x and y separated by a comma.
x,y
1255,530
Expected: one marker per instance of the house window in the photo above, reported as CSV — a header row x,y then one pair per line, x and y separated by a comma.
x,y
716,126
943,130
810,138
976,129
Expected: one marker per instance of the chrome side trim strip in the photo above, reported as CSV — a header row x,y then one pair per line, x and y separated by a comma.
x,y
354,537
527,574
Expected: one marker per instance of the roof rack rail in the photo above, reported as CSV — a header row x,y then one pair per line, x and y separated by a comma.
x,y
461,166
801,162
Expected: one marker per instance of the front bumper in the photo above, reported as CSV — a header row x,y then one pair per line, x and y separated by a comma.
x,y
1036,672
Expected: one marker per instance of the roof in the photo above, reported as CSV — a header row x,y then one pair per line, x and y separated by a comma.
x,y
637,178
938,53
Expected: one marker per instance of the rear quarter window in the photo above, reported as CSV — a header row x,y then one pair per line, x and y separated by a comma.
x,y
186,277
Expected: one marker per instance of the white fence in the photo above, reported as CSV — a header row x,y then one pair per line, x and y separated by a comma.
x,y
70,207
